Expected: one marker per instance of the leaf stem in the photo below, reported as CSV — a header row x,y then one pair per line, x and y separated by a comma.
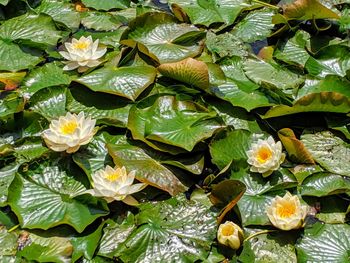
x,y
266,4
13,228
259,233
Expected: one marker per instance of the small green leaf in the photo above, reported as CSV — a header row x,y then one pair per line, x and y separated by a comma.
x,y
13,58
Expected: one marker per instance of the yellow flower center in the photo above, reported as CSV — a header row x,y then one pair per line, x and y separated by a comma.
x,y
264,154
114,176
81,45
227,230
286,210
69,127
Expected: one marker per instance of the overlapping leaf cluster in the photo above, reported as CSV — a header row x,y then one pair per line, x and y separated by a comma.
x,y
183,91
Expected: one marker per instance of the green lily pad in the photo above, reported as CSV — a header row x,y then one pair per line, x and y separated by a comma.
x,y
172,122
7,174
47,249
61,12
36,30
188,227
49,102
255,26
329,151
164,37
314,102
128,82
107,4
49,198
222,151
13,58
325,243
49,75
325,184
210,12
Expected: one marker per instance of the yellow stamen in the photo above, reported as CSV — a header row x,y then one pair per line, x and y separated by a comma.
x,y
264,154
69,127
227,230
81,45
114,176
286,210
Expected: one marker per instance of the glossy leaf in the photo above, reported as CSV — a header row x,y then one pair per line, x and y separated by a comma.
x,y
232,147
325,184
107,4
209,12
13,58
325,243
160,33
49,75
47,198
329,151
128,82
314,102
172,122
33,29
188,227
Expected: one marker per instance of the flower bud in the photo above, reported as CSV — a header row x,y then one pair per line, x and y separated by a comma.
x,y
230,234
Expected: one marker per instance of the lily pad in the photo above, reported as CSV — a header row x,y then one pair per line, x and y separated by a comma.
x,y
164,37
325,243
128,82
47,198
329,151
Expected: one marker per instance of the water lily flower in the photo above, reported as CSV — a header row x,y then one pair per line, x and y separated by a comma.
x,y
69,132
115,184
82,54
265,156
230,234
286,212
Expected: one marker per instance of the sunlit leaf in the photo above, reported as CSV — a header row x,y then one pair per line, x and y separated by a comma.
x,y
314,102
190,71
295,148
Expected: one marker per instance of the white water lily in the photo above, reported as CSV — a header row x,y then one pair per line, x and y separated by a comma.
x,y
230,234
115,184
69,132
82,54
265,156
286,212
